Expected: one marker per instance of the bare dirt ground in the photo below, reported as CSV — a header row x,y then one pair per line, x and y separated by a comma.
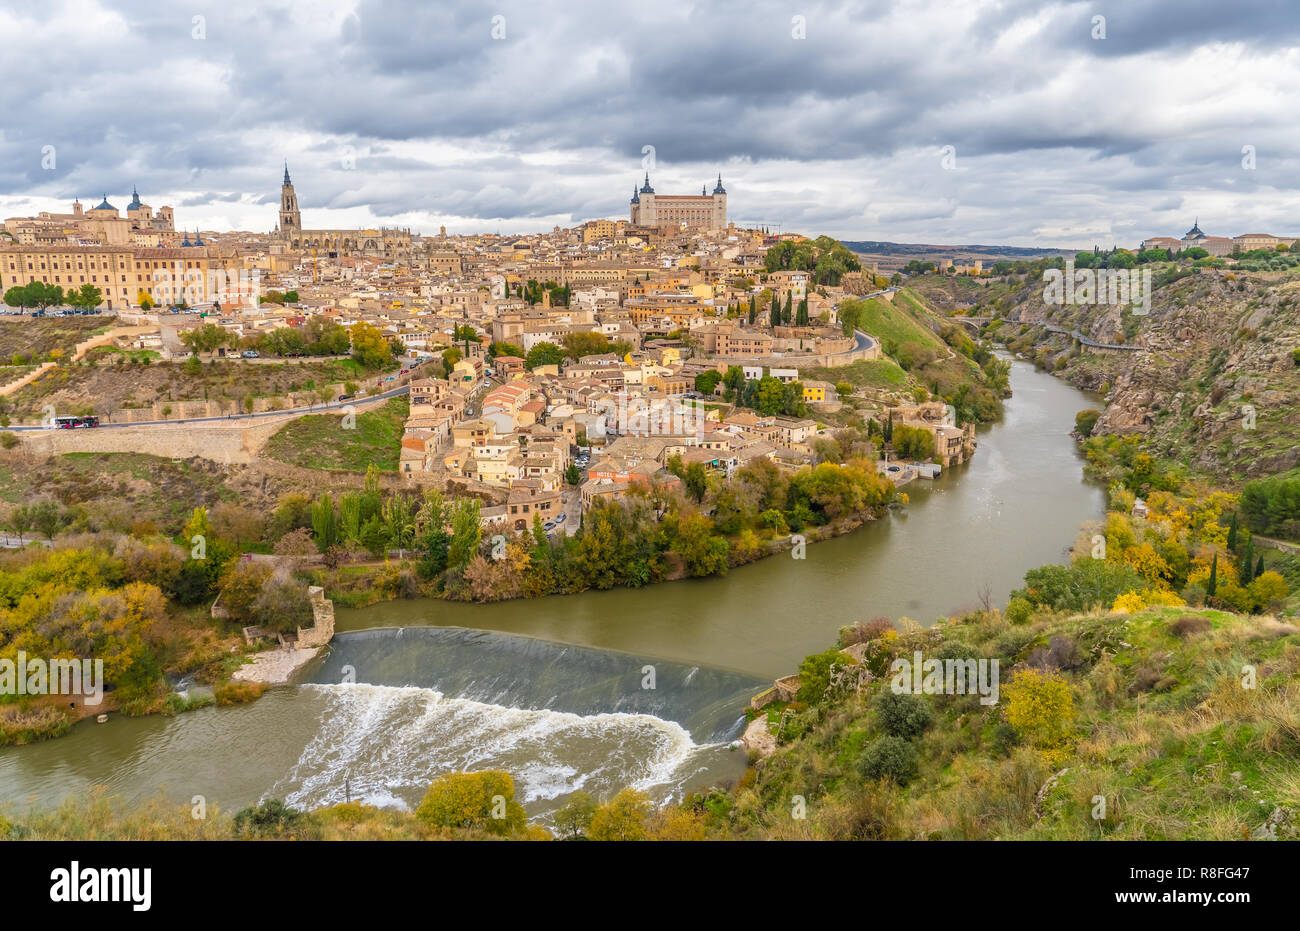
x,y
101,388
274,667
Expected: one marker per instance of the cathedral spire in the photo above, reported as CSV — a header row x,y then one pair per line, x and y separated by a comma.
x,y
286,172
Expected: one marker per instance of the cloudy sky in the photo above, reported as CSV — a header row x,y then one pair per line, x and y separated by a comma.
x,y
932,121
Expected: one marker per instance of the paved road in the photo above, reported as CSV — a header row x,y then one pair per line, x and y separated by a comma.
x,y
231,418
13,543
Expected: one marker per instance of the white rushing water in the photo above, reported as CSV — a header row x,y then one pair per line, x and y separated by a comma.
x,y
384,745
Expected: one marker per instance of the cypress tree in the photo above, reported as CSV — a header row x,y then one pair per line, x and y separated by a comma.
x,y
1247,560
776,310
1259,568
789,307
753,309
1232,533
1212,583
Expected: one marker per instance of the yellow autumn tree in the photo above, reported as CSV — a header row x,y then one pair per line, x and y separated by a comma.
x,y
1148,563
483,800
622,818
1040,708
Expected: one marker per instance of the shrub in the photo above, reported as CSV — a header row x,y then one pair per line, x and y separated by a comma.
x,y
865,631
237,693
20,727
273,818
484,800
1011,644
891,758
955,649
1019,610
9,440
1128,603
815,674
1040,707
902,714
1060,653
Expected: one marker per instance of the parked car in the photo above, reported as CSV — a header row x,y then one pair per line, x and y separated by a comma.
x,y
250,354
345,397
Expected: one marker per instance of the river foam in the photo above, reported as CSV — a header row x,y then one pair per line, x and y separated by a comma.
x,y
384,744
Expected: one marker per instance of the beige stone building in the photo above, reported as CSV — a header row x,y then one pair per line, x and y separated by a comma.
x,y
703,211
290,236
191,272
102,224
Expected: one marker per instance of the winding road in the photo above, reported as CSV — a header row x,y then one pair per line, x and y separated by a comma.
x,y
233,418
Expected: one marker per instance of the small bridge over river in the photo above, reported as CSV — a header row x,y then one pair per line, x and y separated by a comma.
x,y
977,323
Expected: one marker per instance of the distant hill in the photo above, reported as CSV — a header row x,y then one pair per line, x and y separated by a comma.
x,y
913,250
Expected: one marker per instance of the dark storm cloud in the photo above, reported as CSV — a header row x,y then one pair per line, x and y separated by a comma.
x,y
414,110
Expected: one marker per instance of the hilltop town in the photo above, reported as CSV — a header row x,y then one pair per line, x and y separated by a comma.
x,y
541,373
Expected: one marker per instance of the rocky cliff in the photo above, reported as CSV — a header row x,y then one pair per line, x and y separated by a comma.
x,y
1213,380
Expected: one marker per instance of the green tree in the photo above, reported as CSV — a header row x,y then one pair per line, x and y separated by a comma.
x,y
544,353
696,480
701,551
913,442
889,757
47,518
707,381
19,296
770,395
577,345
902,714
575,817
325,523
40,295
398,522
466,533
87,297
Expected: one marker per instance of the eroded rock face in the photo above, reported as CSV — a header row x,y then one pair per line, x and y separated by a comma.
x,y
1215,386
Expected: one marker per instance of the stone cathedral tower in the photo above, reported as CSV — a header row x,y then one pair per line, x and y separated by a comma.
x,y
290,217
